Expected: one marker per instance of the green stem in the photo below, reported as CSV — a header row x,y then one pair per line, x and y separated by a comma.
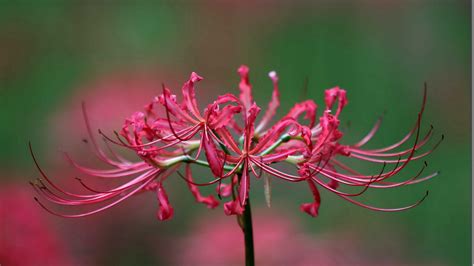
x,y
206,164
247,227
283,139
245,222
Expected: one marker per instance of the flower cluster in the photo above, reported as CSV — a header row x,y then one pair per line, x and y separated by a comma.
x,y
229,138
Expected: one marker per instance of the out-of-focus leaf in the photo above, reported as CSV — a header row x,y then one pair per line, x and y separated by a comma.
x,y
267,189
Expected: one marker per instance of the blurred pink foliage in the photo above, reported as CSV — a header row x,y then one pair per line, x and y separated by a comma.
x,y
279,240
26,236
109,98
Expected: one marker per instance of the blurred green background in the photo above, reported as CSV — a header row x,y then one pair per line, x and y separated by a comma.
x,y
53,55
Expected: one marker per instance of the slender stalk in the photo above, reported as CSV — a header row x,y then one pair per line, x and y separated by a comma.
x,y
245,223
248,234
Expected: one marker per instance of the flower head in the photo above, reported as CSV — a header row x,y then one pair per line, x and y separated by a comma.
x,y
238,146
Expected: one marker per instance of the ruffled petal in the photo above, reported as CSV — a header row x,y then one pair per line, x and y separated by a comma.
x,y
330,97
245,88
308,107
215,163
252,114
189,95
165,210
168,100
313,207
233,208
210,201
224,190
224,116
272,105
227,98
276,132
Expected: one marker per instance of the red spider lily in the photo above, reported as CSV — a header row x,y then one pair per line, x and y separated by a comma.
x,y
236,150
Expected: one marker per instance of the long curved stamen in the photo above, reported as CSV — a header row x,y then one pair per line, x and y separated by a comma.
x,y
185,133
128,195
408,159
55,198
125,186
324,141
198,153
116,155
380,180
396,184
413,158
415,127
52,197
41,188
384,209
253,170
393,154
199,184
411,182
317,170
215,137
356,174
370,135
363,178
113,173
277,173
97,150
261,171
351,181
43,174
366,186
236,167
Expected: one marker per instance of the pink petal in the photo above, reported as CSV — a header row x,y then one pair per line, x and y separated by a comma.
x,y
227,98
189,95
233,208
330,96
212,156
169,101
252,114
228,140
312,208
272,105
224,116
245,87
275,132
165,211
210,201
225,190
308,107
333,184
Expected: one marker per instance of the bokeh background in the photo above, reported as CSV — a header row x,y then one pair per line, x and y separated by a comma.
x,y
114,57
